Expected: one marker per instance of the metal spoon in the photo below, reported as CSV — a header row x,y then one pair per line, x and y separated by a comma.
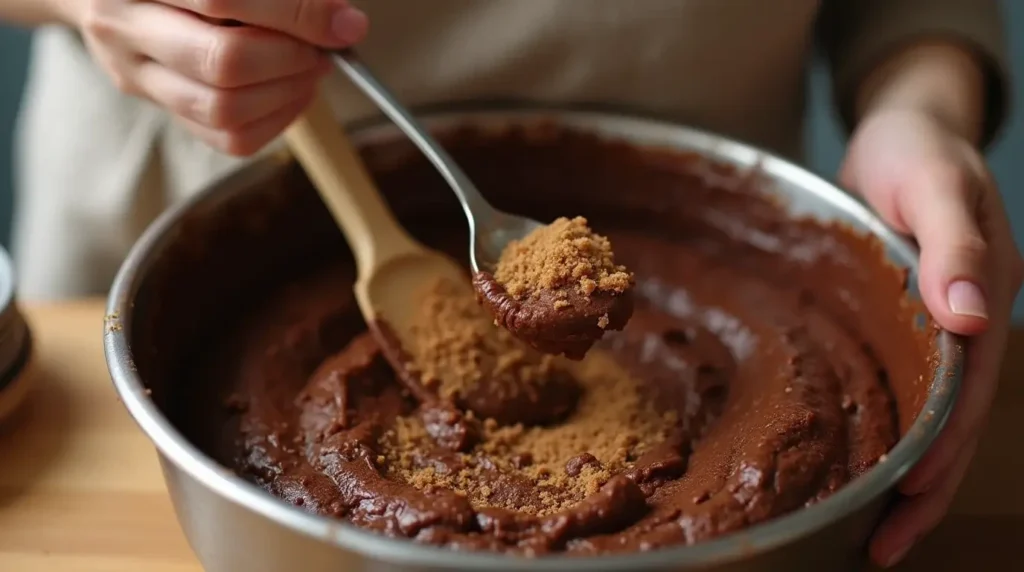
x,y
490,229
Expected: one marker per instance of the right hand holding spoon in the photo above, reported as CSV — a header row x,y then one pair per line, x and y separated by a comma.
x,y
234,87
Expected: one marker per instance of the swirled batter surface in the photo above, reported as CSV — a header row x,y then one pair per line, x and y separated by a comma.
x,y
767,363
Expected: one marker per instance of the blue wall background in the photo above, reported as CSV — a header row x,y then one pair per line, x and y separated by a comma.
x,y
826,141
13,54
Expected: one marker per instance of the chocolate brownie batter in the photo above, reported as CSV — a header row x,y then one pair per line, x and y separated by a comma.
x,y
559,288
767,363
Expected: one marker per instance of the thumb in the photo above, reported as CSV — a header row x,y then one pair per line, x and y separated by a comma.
x,y
942,215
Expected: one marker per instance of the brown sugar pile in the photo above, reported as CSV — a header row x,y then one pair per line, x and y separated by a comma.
x,y
457,346
539,470
564,254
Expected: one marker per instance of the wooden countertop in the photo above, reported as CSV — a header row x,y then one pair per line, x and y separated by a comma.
x,y
81,491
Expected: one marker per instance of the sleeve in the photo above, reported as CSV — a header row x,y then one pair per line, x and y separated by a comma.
x,y
855,35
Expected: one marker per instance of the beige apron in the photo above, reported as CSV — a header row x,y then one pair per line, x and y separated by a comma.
x,y
94,167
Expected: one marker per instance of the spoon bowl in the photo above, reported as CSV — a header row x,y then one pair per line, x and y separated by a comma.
x,y
490,229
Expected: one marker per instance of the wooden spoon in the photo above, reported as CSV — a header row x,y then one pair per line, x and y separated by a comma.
x,y
392,267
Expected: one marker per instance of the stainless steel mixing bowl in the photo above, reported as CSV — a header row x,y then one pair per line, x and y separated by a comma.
x,y
164,297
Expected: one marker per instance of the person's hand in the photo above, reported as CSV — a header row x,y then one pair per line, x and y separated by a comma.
x,y
927,181
235,87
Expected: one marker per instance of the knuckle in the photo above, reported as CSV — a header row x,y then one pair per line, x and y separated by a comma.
x,y
191,105
302,13
973,244
240,144
123,82
95,22
222,59
205,107
122,76
223,110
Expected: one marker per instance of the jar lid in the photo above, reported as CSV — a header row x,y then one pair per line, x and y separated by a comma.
x,y
15,341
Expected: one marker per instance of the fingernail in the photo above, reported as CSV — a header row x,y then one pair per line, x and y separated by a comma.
x,y
899,555
348,24
966,299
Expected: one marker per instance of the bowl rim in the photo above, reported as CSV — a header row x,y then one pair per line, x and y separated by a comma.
x,y
856,494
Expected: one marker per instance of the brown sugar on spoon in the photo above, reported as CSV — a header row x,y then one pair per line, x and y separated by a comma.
x,y
559,288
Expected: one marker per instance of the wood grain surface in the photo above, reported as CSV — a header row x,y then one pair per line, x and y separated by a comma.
x,y
81,490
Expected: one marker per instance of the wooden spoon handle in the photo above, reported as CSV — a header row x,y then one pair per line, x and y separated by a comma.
x,y
338,173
